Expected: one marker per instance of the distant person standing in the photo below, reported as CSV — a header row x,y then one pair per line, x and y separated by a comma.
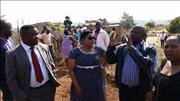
x,y
162,39
6,43
56,36
46,38
56,41
113,36
77,34
113,33
67,45
67,23
55,33
102,37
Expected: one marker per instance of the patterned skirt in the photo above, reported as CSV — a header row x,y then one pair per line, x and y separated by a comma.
x,y
91,83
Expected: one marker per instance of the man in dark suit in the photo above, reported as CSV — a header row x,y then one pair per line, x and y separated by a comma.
x,y
134,60
29,68
5,44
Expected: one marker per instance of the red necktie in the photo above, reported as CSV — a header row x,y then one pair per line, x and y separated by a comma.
x,y
37,68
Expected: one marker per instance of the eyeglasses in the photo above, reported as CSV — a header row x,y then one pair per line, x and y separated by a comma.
x,y
91,37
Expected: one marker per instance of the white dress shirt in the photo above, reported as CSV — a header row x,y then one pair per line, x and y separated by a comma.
x,y
34,82
102,39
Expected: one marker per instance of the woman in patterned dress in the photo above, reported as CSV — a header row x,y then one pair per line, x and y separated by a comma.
x,y
85,64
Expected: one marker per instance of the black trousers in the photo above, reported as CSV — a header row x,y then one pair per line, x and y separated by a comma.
x,y
162,43
127,93
44,93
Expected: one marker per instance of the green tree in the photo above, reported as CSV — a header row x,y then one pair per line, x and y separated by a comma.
x,y
127,21
174,26
58,26
149,25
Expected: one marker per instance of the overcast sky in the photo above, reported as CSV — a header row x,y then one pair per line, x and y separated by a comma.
x,y
79,11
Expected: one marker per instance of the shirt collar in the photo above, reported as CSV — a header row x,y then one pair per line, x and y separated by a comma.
x,y
139,44
142,42
101,30
26,47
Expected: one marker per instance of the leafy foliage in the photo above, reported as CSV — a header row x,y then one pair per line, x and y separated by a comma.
x,y
174,26
58,26
127,21
150,25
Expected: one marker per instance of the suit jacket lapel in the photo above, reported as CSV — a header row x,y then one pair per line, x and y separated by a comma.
x,y
24,64
42,53
24,57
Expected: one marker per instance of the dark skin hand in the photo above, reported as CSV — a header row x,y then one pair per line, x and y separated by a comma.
x,y
129,42
78,91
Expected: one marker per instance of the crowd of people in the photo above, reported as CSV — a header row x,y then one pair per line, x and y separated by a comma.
x,y
27,70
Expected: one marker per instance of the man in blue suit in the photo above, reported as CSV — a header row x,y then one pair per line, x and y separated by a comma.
x,y
5,44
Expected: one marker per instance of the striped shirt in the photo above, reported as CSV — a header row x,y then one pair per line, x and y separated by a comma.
x,y
130,72
8,43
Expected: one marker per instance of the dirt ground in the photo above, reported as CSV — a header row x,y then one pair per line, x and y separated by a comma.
x,y
63,91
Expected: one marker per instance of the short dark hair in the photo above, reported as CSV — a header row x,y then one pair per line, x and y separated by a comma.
x,y
84,34
142,30
113,28
67,17
4,24
98,22
25,28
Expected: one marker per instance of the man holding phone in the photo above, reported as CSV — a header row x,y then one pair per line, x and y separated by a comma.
x,y
133,62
